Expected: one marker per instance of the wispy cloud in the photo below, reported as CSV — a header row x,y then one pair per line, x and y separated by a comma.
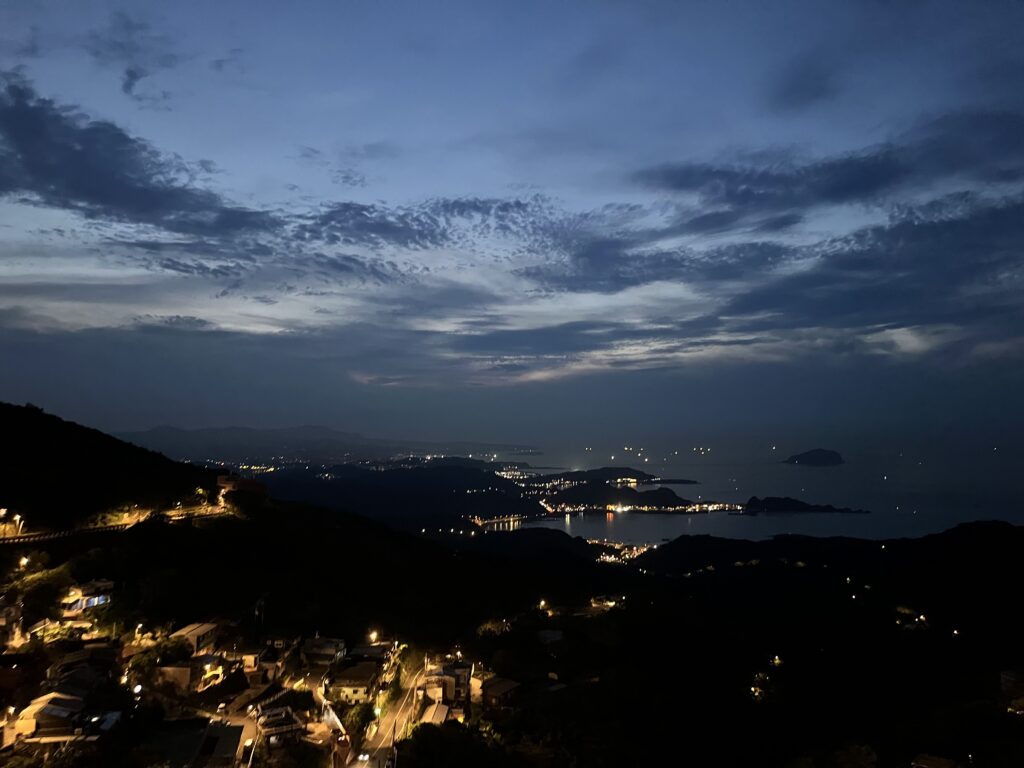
x,y
134,47
719,262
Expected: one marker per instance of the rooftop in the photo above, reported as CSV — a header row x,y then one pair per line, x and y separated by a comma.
x,y
360,674
436,714
194,630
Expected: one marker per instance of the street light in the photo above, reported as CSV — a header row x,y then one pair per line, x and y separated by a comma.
x,y
23,562
373,637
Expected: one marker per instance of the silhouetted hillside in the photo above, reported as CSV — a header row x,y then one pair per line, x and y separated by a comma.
x,y
786,505
56,473
411,498
816,457
600,494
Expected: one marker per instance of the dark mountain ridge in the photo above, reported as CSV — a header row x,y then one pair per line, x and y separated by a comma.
x,y
56,473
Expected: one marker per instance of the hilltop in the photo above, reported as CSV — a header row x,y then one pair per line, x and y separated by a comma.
x,y
598,494
436,494
56,473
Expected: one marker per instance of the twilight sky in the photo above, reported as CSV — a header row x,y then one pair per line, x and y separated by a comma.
x,y
515,220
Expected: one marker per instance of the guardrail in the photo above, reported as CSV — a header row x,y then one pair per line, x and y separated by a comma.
x,y
28,538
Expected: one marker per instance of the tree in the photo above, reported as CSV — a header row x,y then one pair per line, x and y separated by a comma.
x,y
394,689
356,720
162,653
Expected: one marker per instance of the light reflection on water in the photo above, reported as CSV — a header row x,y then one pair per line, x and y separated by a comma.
x,y
910,493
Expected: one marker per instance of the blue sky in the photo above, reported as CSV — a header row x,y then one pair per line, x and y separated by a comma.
x,y
461,218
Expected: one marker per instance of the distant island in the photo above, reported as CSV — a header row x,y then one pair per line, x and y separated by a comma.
x,y
614,489
600,495
785,505
817,457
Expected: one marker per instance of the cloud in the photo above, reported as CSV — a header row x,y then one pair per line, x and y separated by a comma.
x,y
183,322
711,262
777,192
92,167
135,48
431,224
374,226
348,177
962,269
232,60
29,47
807,80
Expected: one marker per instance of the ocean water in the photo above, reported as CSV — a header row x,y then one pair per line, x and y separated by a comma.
x,y
908,491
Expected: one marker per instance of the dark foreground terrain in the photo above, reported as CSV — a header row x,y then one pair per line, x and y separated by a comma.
x,y
795,652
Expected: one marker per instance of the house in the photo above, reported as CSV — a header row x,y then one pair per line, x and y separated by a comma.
x,y
460,673
260,663
322,651
278,721
208,670
353,684
179,676
88,666
89,595
498,691
476,684
435,714
434,688
53,714
10,622
53,631
200,637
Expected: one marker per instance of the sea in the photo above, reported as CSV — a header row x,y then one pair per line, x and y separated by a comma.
x,y
908,491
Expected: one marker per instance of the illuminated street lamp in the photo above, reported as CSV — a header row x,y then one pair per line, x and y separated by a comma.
x,y
373,636
23,562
